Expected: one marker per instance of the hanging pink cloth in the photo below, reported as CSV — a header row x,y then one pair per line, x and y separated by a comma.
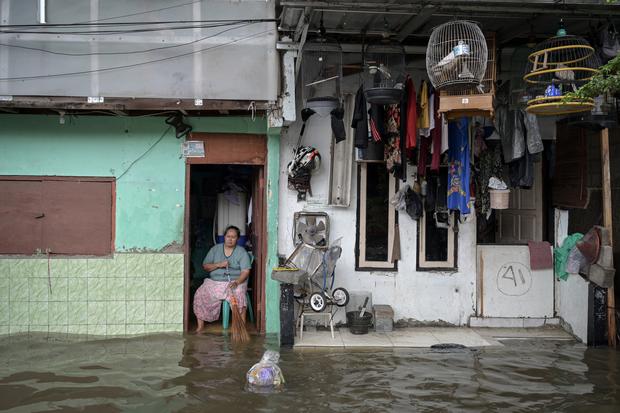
x,y
412,114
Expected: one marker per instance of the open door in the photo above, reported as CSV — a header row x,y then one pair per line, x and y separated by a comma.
x,y
259,240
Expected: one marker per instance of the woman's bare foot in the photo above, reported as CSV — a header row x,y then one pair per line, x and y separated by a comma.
x,y
201,326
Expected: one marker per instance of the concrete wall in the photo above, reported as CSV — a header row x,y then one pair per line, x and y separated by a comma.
x,y
572,305
420,295
138,289
510,287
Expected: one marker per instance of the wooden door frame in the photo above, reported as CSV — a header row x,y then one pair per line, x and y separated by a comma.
x,y
230,149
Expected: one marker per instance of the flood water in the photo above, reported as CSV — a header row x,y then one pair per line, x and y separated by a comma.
x,y
176,373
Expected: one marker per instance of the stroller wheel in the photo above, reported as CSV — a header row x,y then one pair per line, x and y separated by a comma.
x,y
341,297
317,302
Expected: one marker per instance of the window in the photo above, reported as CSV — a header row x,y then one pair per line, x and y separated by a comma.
x,y
61,215
376,218
436,238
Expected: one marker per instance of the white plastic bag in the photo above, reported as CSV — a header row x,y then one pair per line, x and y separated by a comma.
x,y
265,376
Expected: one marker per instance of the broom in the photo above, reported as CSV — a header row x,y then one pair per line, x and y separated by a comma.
x,y
238,331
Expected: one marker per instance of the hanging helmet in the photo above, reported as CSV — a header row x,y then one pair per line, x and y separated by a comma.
x,y
306,160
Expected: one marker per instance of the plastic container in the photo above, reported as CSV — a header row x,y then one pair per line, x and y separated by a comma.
x,y
500,198
357,324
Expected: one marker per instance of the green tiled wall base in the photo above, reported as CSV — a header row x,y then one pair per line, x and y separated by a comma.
x,y
124,295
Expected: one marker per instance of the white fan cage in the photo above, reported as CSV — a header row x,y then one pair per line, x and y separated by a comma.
x,y
384,73
321,74
456,56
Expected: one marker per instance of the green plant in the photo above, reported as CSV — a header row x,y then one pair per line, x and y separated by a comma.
x,y
606,81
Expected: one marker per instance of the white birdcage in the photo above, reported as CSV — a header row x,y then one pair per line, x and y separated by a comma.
x,y
384,73
321,74
456,55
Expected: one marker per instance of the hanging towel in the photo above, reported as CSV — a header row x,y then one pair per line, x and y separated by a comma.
x,y
540,255
458,174
359,121
412,115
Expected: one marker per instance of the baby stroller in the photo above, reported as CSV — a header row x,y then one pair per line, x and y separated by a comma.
x,y
315,288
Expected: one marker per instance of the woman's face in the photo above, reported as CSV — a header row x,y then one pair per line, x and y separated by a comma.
x,y
230,238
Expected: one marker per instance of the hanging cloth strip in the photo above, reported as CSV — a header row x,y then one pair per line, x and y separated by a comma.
x,y
359,121
458,174
412,114
436,134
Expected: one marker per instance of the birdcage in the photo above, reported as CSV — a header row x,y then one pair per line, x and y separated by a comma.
x,y
321,74
456,55
384,73
473,99
557,66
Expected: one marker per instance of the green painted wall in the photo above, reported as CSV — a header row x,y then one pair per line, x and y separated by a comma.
x,y
150,185
272,287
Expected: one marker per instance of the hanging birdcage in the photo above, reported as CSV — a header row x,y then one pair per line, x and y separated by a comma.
x,y
321,75
557,66
384,73
456,55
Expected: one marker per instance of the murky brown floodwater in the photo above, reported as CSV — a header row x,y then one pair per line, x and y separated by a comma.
x,y
163,373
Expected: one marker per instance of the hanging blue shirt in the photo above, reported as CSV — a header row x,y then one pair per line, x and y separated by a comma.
x,y
458,158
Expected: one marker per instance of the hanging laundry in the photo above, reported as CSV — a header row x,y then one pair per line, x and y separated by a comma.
x,y
424,114
459,169
412,114
423,155
403,135
444,133
436,134
377,122
360,120
337,117
392,153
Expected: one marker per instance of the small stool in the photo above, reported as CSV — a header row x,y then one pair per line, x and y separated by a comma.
x,y
314,314
226,311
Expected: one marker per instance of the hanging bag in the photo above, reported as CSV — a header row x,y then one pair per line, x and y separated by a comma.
x,y
609,41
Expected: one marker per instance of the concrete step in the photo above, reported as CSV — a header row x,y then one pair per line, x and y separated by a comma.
x,y
513,322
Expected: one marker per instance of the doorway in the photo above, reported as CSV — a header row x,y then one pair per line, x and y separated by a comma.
x,y
232,164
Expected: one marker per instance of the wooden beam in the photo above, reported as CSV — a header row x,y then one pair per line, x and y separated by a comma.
x,y
415,23
126,104
607,223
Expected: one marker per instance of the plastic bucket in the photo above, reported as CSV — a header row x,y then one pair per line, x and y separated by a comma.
x,y
500,198
357,324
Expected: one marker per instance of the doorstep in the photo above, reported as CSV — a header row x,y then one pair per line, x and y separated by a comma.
x,y
417,337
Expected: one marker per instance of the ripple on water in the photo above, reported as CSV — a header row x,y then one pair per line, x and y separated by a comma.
x,y
170,372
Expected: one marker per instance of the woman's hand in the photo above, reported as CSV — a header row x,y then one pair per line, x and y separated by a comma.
x,y
222,264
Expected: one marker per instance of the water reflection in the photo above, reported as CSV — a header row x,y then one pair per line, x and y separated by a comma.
x,y
169,372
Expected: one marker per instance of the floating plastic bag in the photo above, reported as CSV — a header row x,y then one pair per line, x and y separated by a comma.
x,y
265,376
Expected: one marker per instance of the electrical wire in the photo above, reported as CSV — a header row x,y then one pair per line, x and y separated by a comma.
x,y
129,31
105,69
146,12
121,53
145,153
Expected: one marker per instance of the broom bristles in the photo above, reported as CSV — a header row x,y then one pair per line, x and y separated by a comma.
x,y
238,331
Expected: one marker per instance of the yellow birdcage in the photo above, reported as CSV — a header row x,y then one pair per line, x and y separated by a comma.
x,y
557,66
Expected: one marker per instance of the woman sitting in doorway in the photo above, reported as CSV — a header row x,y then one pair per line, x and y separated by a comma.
x,y
228,265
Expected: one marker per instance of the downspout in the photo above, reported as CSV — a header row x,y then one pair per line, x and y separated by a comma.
x,y
42,12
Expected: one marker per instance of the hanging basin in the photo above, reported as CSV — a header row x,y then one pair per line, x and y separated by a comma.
x,y
383,95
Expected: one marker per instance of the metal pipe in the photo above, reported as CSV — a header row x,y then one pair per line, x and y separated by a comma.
x,y
42,12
